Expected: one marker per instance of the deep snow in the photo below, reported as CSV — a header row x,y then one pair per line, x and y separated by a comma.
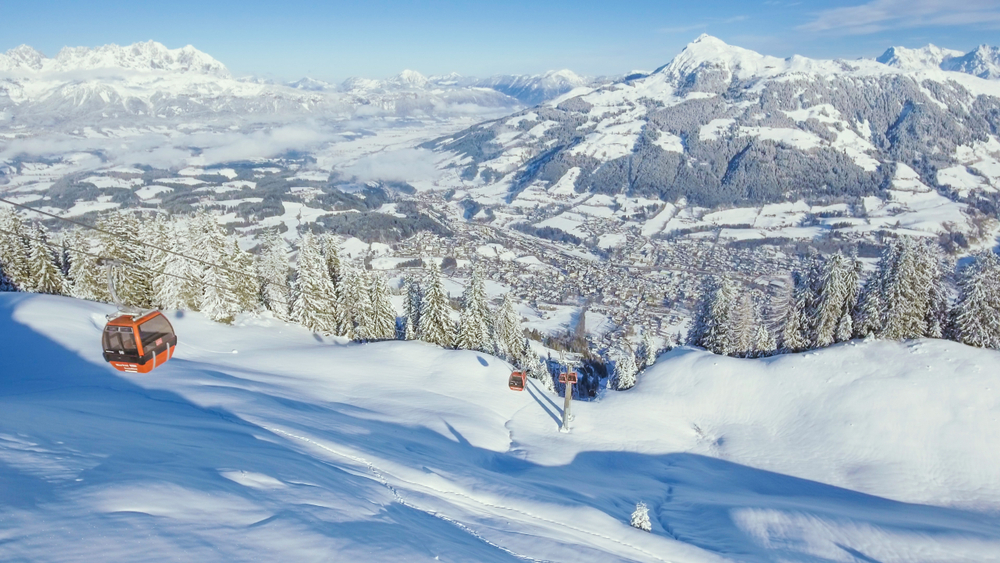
x,y
265,442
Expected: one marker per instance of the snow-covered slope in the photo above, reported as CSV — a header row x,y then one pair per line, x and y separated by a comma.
x,y
723,126
139,56
983,62
261,441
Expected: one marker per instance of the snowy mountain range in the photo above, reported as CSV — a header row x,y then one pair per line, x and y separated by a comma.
x,y
725,126
149,80
526,89
984,61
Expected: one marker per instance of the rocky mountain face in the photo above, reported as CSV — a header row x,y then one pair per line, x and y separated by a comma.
x,y
721,125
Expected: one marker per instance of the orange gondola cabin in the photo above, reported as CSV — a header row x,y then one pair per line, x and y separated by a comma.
x,y
138,345
516,381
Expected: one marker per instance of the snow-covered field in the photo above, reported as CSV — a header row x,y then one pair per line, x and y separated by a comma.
x,y
264,442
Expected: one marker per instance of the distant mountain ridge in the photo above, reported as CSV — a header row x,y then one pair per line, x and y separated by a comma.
x,y
722,125
983,61
148,56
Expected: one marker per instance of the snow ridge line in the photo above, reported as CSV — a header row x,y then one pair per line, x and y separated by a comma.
x,y
398,498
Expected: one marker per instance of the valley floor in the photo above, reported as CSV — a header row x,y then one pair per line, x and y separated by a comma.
x,y
262,441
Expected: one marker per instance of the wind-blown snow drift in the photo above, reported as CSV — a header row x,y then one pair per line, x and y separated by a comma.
x,y
298,448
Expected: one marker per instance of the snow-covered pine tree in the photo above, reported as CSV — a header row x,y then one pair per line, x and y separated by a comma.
x,y
414,296
272,272
436,325
508,333
219,301
243,279
640,518
475,331
932,267
159,233
714,325
763,342
331,255
345,301
794,330
833,295
383,316
536,369
975,319
44,276
120,241
13,248
646,354
625,369
313,292
744,323
179,287
87,280
356,284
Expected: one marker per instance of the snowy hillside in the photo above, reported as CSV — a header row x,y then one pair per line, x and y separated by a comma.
x,y
261,441
721,126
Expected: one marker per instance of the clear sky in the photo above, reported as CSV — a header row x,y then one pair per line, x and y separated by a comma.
x,y
333,40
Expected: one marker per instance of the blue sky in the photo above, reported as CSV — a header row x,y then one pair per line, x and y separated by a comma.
x,y
334,40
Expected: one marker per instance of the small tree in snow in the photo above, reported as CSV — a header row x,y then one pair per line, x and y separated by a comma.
x,y
625,369
646,355
640,518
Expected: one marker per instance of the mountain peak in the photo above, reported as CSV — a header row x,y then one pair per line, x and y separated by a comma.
x,y
984,62
410,79
147,56
929,56
708,52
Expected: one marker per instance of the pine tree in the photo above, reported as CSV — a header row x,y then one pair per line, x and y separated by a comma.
x,y
646,354
475,332
794,333
159,233
13,248
331,255
625,369
219,301
507,329
120,241
640,518
763,342
383,319
536,370
975,319
272,271
87,280
744,325
179,286
837,288
354,284
436,325
243,279
713,329
414,296
312,304
346,297
44,275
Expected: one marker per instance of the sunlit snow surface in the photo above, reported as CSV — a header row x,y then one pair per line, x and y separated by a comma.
x,y
264,442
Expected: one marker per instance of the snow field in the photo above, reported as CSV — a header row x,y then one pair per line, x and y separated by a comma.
x,y
261,440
